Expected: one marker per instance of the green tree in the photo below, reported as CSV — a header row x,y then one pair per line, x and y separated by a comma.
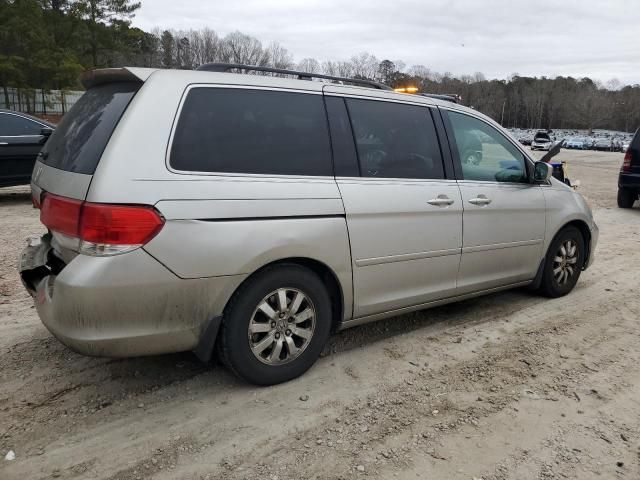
x,y
386,70
167,47
99,15
23,39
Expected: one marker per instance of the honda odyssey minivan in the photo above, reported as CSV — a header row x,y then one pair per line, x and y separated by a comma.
x,y
251,216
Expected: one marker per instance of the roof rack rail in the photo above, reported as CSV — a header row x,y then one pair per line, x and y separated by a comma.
x,y
449,97
225,67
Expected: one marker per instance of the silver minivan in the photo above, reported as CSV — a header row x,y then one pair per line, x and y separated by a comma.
x,y
251,216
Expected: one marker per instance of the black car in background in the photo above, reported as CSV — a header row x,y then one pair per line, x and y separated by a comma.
x,y
21,138
629,179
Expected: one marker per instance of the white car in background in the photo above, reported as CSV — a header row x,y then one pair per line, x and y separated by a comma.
x,y
541,141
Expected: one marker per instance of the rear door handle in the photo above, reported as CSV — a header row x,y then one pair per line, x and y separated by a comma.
x,y
4,143
440,201
480,200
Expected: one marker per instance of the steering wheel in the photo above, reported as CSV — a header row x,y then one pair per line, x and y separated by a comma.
x,y
471,157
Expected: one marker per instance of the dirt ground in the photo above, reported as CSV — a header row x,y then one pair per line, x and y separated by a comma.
x,y
508,386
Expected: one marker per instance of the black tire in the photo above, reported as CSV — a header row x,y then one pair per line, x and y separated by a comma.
x,y
626,198
234,347
551,286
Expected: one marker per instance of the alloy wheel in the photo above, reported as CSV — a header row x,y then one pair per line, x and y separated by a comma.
x,y
281,326
565,262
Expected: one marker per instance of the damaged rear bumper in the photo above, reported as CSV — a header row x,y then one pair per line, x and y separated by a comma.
x,y
124,305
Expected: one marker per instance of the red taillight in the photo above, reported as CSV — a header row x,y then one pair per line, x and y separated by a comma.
x,y
61,214
119,224
626,164
102,228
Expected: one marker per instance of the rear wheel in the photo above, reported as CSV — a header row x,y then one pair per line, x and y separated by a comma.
x,y
276,325
626,198
564,262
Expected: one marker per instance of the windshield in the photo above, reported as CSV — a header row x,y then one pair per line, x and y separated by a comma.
x,y
79,140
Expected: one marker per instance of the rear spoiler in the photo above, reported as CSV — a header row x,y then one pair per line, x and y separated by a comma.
x,y
92,78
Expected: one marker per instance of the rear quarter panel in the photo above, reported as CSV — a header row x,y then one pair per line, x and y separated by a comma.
x,y
231,237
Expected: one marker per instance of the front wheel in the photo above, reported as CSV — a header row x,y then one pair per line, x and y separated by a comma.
x,y
564,262
626,198
276,325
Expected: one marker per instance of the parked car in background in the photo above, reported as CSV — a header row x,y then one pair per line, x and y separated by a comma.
x,y
616,145
629,178
575,143
204,229
604,145
21,139
625,145
526,140
541,141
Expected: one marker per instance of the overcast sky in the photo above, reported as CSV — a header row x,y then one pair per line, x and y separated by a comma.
x,y
599,39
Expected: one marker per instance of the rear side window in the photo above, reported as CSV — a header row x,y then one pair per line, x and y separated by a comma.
x,y
395,140
78,141
252,131
14,126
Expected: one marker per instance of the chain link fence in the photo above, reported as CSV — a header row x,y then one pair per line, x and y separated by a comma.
x,y
37,101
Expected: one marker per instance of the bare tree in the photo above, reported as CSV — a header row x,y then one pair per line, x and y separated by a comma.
x,y
240,48
339,68
205,46
279,57
310,65
364,65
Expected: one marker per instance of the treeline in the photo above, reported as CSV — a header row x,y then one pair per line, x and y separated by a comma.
x,y
48,43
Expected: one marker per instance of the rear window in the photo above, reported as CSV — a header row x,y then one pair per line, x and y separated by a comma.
x,y
252,131
78,141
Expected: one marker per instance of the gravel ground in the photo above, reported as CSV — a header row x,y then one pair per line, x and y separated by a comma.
x,y
508,386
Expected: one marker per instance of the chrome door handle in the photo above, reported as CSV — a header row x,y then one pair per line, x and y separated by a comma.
x,y
440,201
480,200
4,143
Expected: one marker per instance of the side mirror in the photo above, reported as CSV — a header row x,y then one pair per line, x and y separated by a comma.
x,y
542,172
46,131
